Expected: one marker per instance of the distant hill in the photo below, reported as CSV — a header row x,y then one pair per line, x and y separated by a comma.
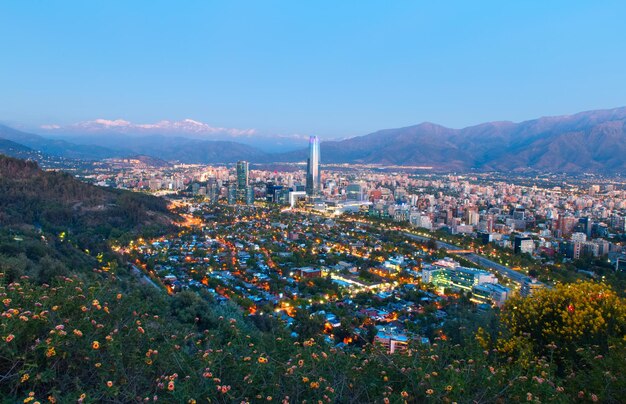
x,y
587,141
55,147
167,148
192,150
12,149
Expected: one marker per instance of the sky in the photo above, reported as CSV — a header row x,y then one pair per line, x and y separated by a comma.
x,y
326,68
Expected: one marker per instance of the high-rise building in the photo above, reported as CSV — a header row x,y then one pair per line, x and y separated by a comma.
x,y
313,173
243,186
232,193
212,190
354,192
272,192
249,195
523,245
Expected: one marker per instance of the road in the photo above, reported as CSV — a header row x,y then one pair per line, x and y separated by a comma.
x,y
477,259
145,278
505,271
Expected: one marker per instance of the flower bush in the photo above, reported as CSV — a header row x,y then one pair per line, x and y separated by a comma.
x,y
101,340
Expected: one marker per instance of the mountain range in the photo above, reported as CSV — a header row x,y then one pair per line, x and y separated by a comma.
x,y
593,141
106,133
587,141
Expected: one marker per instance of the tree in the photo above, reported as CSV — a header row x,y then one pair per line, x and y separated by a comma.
x,y
565,319
431,244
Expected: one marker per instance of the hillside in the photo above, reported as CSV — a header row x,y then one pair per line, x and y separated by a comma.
x,y
55,200
73,341
56,147
12,149
169,148
49,220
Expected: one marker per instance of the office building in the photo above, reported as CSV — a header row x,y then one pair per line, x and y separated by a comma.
x,y
523,245
232,193
530,286
213,190
245,193
249,195
354,192
313,173
490,293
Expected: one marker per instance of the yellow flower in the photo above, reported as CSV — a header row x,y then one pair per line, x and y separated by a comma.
x,y
262,359
429,391
51,352
95,345
25,377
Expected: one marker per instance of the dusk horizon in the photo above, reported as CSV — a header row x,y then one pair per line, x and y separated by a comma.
x,y
330,70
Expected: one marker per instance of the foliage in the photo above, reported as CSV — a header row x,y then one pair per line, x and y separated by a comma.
x,y
107,341
87,215
566,318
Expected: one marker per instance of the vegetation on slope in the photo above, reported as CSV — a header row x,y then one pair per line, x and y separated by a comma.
x,y
49,220
106,341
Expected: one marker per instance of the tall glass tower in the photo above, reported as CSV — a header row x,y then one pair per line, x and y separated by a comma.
x,y
313,180
242,181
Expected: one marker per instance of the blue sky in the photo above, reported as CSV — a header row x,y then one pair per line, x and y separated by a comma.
x,y
330,68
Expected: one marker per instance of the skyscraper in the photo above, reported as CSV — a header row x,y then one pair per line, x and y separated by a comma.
x,y
242,182
354,192
313,180
242,174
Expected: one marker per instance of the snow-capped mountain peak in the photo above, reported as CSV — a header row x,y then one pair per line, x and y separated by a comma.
x,y
164,127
